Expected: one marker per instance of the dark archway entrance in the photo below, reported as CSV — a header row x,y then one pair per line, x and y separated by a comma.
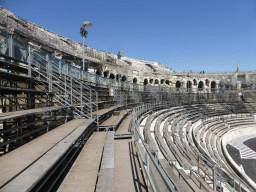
x,y
178,84
145,81
99,72
189,84
105,73
201,85
124,78
112,76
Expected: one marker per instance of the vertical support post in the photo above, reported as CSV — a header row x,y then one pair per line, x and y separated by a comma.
x,y
214,178
234,186
11,45
81,98
20,131
97,116
83,54
71,91
147,164
49,73
59,66
65,77
91,102
66,69
29,60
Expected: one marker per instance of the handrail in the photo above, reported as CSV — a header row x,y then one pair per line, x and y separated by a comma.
x,y
136,112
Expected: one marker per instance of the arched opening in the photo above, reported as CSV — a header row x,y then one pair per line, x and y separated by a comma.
x,y
213,85
145,81
134,80
112,76
178,84
124,78
167,82
201,85
207,82
194,82
99,72
156,81
162,81
189,84
117,76
105,73
151,81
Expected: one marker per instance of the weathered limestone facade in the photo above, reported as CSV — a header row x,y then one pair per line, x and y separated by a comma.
x,y
106,64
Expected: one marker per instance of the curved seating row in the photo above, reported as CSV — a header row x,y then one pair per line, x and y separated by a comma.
x,y
209,141
181,132
173,151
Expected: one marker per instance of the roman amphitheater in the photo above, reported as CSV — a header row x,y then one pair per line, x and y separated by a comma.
x,y
121,124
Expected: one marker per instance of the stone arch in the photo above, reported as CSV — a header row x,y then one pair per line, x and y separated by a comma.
x,y
118,76
99,72
167,82
194,82
105,73
162,81
112,76
123,78
189,84
145,81
151,81
134,80
213,85
178,84
201,85
156,81
207,82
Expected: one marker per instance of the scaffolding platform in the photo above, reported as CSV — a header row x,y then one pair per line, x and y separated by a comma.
x,y
83,174
23,168
105,111
21,113
113,122
125,129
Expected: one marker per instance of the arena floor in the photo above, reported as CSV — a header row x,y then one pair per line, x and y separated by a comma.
x,y
249,165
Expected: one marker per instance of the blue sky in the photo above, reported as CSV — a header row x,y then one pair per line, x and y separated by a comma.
x,y
210,35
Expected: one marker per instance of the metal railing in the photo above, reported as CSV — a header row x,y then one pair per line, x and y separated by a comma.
x,y
68,90
142,147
